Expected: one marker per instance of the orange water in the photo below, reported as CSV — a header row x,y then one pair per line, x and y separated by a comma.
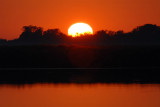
x,y
80,95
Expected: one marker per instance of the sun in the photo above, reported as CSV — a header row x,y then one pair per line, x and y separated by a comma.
x,y
79,29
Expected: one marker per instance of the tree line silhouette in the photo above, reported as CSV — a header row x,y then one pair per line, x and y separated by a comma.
x,y
141,35
138,48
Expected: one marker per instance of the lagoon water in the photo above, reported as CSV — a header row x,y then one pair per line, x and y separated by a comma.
x,y
80,95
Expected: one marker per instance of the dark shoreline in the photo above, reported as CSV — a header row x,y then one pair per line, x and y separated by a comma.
x,y
63,56
80,76
79,64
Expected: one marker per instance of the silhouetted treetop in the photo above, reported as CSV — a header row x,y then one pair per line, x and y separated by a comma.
x,y
31,28
147,33
147,28
31,33
52,32
3,41
53,35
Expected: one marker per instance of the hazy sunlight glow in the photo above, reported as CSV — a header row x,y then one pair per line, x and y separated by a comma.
x,y
79,29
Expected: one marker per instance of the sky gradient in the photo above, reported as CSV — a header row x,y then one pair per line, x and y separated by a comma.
x,y
99,14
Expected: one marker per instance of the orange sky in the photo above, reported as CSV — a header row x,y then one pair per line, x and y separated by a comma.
x,y
99,14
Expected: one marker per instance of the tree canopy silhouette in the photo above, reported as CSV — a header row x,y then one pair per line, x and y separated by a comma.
x,y
146,34
31,33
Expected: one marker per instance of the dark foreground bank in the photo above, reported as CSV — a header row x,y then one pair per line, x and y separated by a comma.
x,y
81,76
79,64
74,56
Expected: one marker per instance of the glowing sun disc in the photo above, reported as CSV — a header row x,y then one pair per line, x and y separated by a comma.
x,y
79,29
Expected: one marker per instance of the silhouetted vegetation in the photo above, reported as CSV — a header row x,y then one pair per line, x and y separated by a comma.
x,y
52,49
142,35
66,56
3,42
132,57
79,76
31,34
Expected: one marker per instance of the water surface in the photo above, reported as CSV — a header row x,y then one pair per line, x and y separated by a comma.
x,y
80,95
